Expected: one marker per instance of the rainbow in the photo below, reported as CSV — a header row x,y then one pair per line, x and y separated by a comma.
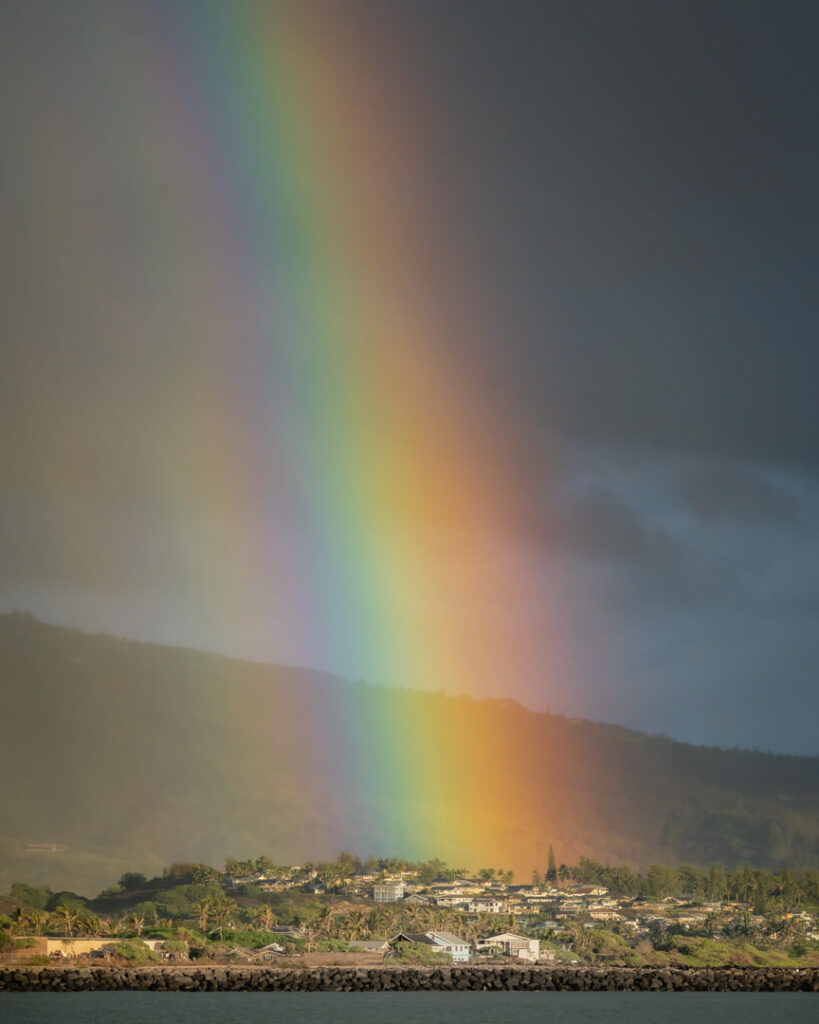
x,y
353,476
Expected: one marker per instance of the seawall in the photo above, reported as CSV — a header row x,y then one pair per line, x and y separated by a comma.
x,y
409,979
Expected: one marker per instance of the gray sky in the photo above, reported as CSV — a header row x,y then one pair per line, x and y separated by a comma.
x,y
636,185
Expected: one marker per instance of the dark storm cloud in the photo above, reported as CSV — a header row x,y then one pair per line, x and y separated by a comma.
x,y
729,492
640,181
599,525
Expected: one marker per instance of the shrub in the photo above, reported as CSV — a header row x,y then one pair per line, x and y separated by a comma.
x,y
132,880
134,951
420,953
332,946
30,895
252,938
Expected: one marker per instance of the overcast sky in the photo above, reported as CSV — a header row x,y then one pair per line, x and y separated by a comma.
x,y
638,183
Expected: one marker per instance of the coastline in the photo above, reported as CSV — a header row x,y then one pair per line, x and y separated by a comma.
x,y
409,979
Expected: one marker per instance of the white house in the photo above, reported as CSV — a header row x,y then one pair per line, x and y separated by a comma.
x,y
441,942
457,947
388,892
513,945
485,905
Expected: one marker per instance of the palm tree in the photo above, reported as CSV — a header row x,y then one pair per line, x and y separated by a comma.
x,y
89,924
37,919
224,911
486,923
414,916
21,920
388,917
203,873
203,909
66,918
265,917
357,923
135,921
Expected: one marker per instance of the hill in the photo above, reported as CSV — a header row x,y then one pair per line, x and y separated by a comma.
x,y
118,755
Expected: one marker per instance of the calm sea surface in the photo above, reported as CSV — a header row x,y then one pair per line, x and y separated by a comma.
x,y
407,1008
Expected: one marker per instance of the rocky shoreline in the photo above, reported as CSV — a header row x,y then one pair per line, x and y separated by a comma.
x,y
409,979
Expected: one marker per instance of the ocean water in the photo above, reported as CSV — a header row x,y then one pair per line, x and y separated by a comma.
x,y
408,1008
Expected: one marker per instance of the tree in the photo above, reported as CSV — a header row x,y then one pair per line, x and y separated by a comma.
x,y
431,870
224,910
135,921
536,879
717,882
692,881
266,867
579,937
486,874
132,880
30,895
551,873
89,924
357,924
347,864
203,874
661,880
32,919
265,917
66,918
203,910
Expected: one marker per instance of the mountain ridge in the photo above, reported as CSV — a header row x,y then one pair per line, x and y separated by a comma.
x,y
118,748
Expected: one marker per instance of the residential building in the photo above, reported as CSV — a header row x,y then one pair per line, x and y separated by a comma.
x,y
457,947
442,942
369,945
388,892
512,945
485,905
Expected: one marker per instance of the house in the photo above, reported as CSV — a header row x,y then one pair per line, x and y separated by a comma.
x,y
72,947
451,900
270,951
414,900
287,932
512,945
369,946
604,914
442,942
485,905
588,890
457,947
388,892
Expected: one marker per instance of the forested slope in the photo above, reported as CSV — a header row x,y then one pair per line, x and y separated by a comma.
x,y
127,755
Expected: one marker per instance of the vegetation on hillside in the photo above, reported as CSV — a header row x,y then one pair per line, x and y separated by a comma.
x,y
120,755
741,916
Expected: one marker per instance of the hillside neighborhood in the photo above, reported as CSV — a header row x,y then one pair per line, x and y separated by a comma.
x,y
353,911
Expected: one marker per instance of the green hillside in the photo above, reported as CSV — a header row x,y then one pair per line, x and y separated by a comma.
x,y
127,755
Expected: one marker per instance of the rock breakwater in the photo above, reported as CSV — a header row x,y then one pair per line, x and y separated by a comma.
x,y
408,979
